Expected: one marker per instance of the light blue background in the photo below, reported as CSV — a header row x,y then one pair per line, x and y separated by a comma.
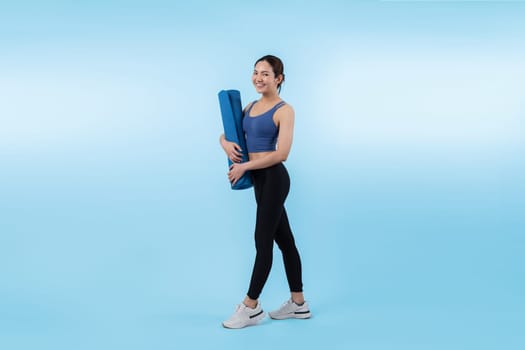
x,y
118,229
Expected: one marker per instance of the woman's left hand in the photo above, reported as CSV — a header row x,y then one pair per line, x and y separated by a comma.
x,y
237,170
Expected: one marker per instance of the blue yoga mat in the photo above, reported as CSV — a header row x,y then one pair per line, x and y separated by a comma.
x,y
231,112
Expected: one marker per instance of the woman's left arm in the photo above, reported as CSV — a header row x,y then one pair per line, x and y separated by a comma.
x,y
285,119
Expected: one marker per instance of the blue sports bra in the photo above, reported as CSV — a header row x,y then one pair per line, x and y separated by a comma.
x,y
260,131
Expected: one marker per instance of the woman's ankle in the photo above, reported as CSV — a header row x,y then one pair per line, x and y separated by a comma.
x,y
298,298
249,302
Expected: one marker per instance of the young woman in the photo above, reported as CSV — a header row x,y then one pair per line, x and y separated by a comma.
x,y
268,125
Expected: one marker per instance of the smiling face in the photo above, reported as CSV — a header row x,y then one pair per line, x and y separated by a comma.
x,y
264,78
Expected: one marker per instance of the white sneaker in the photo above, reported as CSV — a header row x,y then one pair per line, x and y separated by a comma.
x,y
244,316
291,310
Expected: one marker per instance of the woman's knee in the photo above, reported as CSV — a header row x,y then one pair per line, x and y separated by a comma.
x,y
285,243
263,243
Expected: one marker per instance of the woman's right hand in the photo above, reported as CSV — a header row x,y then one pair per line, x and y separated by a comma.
x,y
232,150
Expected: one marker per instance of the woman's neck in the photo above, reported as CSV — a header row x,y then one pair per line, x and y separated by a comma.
x,y
269,98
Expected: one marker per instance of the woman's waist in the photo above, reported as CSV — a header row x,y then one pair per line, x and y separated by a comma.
x,y
258,155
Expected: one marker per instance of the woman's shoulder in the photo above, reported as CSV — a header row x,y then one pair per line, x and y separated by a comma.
x,y
284,114
285,109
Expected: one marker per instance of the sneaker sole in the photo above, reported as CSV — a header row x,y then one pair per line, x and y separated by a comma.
x,y
300,315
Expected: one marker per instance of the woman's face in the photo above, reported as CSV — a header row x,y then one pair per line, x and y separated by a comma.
x,y
264,79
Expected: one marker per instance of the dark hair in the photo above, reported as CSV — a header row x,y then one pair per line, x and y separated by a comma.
x,y
277,66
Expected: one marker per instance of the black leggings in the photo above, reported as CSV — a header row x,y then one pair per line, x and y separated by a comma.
x,y
271,186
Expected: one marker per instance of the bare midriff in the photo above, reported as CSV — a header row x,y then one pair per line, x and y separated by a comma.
x,y
258,155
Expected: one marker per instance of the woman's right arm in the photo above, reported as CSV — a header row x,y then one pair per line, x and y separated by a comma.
x,y
232,150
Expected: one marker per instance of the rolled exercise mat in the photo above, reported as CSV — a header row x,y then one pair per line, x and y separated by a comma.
x,y
231,112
